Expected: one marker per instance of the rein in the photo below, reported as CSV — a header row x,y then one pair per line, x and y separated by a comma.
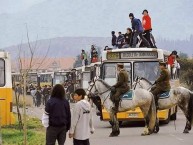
x,y
101,92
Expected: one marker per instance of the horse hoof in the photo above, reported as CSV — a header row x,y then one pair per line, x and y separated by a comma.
x,y
156,130
144,134
113,135
186,131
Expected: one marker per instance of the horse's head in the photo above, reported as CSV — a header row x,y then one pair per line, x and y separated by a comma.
x,y
92,90
97,87
141,82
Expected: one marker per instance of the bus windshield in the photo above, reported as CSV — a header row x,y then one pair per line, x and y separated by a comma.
x,y
109,73
147,70
2,72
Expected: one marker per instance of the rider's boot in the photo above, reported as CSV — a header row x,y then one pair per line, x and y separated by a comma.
x,y
116,107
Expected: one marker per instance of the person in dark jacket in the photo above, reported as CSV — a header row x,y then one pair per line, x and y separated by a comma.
x,y
120,87
162,84
114,39
137,30
58,110
128,38
120,40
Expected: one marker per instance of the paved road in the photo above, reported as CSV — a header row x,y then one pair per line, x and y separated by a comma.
x,y
130,133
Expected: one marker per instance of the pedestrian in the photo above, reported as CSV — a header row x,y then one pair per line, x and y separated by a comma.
x,y
120,40
38,95
82,123
138,31
94,54
170,62
114,40
45,93
58,111
128,38
146,21
84,58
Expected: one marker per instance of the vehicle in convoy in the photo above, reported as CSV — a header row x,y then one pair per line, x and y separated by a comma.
x,y
6,114
142,62
60,77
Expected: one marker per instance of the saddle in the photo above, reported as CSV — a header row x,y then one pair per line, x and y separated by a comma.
x,y
164,95
127,96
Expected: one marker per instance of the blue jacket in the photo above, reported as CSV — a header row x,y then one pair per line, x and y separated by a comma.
x,y
137,25
59,112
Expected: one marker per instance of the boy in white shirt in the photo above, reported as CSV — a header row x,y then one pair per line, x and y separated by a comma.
x,y
82,123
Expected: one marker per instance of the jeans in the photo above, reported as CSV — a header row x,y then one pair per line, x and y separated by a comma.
x,y
148,37
146,43
81,142
56,133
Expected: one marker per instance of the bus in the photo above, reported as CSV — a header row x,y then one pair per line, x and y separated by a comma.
x,y
46,78
6,114
142,62
60,77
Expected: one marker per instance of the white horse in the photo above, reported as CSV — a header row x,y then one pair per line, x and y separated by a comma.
x,y
179,96
141,98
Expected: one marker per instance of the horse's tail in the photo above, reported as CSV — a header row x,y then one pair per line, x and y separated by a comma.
x,y
152,114
190,108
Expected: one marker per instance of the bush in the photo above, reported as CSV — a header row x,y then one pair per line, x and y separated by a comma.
x,y
186,72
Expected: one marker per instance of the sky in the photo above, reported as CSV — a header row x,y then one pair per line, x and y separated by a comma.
x,y
92,18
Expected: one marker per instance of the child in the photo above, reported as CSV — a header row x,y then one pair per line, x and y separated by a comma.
x,y
82,124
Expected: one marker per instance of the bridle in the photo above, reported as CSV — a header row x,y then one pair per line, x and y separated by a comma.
x,y
93,85
137,81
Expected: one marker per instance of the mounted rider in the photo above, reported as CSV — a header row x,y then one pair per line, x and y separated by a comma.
x,y
120,87
162,84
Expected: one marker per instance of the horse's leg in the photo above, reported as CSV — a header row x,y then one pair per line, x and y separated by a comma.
x,y
156,129
184,107
144,110
115,126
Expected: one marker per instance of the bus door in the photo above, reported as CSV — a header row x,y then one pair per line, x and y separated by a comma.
x,y
85,79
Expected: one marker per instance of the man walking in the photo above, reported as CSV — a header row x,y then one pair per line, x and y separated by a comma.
x,y
137,30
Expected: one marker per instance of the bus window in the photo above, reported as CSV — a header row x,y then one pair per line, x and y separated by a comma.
x,y
110,72
2,72
147,70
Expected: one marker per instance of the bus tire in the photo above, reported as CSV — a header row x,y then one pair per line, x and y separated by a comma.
x,y
168,119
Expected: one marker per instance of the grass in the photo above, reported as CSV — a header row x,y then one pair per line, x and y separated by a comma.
x,y
11,135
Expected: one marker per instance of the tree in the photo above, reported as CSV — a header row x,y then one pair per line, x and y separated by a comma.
x,y
24,70
183,55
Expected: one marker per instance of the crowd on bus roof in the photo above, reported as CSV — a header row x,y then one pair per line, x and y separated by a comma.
x,y
140,33
93,56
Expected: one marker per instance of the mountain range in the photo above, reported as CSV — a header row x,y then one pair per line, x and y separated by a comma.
x,y
72,46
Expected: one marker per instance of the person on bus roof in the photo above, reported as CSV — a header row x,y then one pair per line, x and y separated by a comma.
x,y
146,21
162,84
94,54
120,40
138,31
120,87
114,40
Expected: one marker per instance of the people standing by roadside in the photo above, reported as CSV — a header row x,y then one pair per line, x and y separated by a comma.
x,y
84,58
146,21
114,40
82,123
170,62
94,54
45,93
120,40
59,117
138,31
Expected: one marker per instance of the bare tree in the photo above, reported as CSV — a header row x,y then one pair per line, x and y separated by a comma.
x,y
24,69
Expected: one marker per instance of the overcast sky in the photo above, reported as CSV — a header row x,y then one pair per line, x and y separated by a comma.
x,y
171,19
